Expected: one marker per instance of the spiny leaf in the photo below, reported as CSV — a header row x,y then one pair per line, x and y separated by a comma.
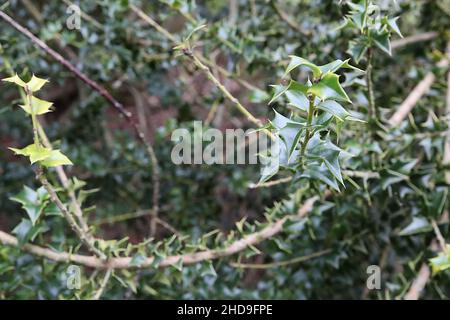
x,y
329,88
382,42
278,91
35,84
298,62
393,25
334,108
38,106
34,152
296,95
15,79
56,158
336,65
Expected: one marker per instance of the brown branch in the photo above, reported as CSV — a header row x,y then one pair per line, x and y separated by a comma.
x,y
288,19
413,39
189,258
414,96
419,283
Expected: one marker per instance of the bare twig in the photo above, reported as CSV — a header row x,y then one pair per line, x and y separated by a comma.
x,y
414,96
279,263
413,39
419,283
103,285
175,41
189,258
287,18
84,237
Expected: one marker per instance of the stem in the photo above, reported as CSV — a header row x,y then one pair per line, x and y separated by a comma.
x,y
87,239
371,97
308,123
29,95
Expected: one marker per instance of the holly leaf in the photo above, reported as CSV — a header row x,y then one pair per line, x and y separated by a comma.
x,y
15,79
333,108
296,95
34,152
38,106
298,62
394,27
382,42
329,88
56,158
35,84
336,65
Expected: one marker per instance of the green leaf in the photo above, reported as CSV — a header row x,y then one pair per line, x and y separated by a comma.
x,y
298,62
382,42
393,25
278,91
137,260
296,95
27,195
417,225
15,79
38,106
441,262
357,50
336,65
26,231
321,172
35,84
56,158
34,152
291,135
326,152
333,108
329,88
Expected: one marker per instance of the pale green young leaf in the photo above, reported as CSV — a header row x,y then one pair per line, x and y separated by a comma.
x,y
15,79
34,152
35,84
38,106
56,158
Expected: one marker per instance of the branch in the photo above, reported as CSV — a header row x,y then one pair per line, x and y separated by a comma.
x,y
414,96
419,283
413,39
288,19
175,41
189,258
280,263
87,239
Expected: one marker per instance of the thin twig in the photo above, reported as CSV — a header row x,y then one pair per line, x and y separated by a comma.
x,y
426,36
369,81
103,285
279,263
288,19
84,237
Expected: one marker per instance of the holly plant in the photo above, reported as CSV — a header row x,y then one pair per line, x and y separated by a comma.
x,y
303,143
375,29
